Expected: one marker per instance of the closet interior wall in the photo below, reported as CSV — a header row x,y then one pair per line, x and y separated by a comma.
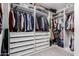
x,y
27,43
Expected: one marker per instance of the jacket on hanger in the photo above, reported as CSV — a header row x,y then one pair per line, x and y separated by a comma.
x,y
29,22
10,21
72,22
36,24
22,22
42,23
27,25
32,22
15,19
39,23
18,21
46,24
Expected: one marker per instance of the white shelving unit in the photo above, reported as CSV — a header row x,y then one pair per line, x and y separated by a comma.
x,y
67,35
26,43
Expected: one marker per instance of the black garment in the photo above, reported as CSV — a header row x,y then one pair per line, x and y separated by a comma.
x,y
15,16
60,42
4,48
71,44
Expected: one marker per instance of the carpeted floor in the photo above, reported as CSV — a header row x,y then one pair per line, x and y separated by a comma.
x,y
54,51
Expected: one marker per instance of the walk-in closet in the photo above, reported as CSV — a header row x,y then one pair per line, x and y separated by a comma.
x,y
35,27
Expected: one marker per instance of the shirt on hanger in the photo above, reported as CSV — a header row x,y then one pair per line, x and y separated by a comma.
x,y
22,22
32,22
18,22
36,24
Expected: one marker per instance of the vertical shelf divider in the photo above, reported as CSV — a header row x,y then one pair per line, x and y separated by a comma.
x,y
34,27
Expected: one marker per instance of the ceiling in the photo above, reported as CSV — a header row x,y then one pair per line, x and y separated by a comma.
x,y
57,6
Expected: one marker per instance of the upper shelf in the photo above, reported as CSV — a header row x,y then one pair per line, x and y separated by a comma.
x,y
25,8
58,16
41,13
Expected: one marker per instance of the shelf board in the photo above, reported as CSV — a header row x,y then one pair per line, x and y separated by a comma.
x,y
20,34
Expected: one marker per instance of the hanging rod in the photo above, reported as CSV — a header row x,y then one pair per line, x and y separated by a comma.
x,y
70,12
58,16
41,13
22,8
22,11
27,10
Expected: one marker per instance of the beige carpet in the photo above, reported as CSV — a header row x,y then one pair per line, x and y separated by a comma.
x,y
54,51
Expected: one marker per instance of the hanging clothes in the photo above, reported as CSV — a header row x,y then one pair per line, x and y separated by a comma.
x,y
39,23
25,21
32,22
36,24
69,22
10,21
55,23
0,18
59,24
67,25
49,23
43,23
72,43
22,22
72,22
5,46
15,21
18,21
46,24
29,22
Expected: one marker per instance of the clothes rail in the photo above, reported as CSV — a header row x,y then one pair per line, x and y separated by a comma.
x,y
23,8
22,11
70,12
58,16
41,13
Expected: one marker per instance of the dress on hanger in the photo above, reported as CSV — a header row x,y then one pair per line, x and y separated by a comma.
x,y
10,21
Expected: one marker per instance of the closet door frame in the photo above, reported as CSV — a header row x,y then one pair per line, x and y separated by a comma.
x,y
5,17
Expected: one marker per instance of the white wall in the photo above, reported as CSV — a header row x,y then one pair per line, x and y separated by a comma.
x,y
76,29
